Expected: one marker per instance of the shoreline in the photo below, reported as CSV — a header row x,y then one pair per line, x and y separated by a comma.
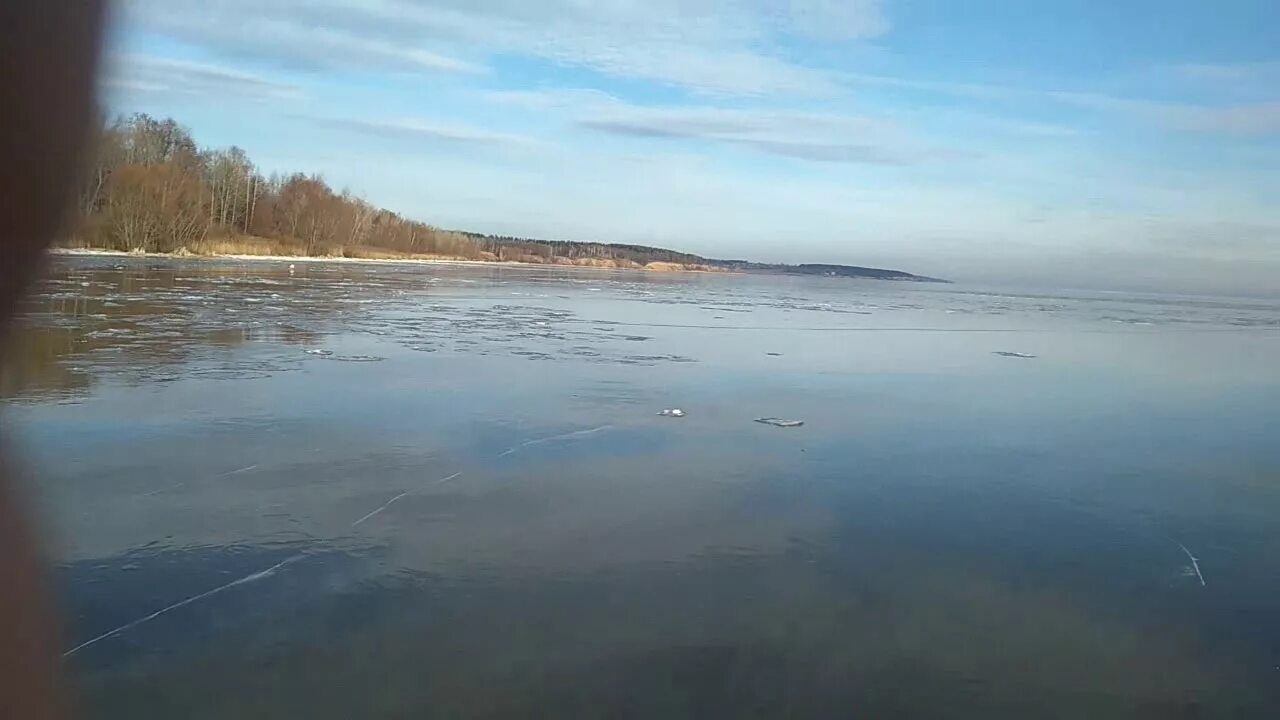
x,y
462,262
101,252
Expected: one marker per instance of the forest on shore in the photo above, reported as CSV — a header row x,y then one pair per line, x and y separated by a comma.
x,y
151,189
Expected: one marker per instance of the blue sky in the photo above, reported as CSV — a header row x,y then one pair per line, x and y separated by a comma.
x,y
1080,144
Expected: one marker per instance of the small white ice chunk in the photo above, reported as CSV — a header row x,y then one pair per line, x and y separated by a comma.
x,y
779,422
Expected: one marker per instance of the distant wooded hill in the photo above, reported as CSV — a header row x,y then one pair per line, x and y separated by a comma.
x,y
853,271
644,254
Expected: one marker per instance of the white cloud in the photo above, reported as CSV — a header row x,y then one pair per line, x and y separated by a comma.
x,y
291,34
791,134
418,129
815,136
146,74
715,48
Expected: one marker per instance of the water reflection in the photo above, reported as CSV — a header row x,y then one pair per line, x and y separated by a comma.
x,y
579,583
492,521
139,322
39,365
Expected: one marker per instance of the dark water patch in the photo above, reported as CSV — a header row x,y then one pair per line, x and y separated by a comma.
x,y
163,598
726,635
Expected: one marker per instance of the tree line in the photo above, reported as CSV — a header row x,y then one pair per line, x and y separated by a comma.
x,y
151,188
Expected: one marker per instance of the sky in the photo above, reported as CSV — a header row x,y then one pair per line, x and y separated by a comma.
x,y
1083,144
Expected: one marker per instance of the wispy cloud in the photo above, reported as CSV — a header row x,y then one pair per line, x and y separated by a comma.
x,y
710,48
432,132
721,123
785,134
814,136
145,74
296,35
834,152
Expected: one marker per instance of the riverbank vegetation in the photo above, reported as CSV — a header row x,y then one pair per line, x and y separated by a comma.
x,y
152,189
